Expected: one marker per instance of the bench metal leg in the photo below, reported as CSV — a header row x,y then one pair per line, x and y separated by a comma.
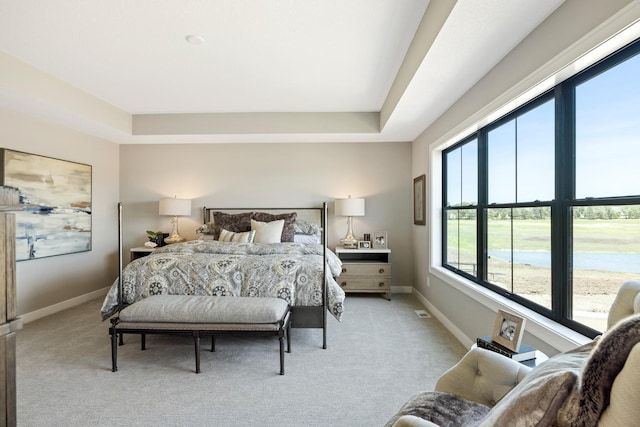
x,y
213,343
281,339
143,341
114,347
196,342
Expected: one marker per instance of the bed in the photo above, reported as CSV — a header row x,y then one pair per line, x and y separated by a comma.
x,y
244,252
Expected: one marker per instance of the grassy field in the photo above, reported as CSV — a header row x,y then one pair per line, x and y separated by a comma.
x,y
594,290
618,235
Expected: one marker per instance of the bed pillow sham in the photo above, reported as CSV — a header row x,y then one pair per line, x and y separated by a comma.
x,y
267,232
238,223
289,219
304,227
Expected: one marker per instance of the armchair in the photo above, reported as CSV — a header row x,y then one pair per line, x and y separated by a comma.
x,y
597,384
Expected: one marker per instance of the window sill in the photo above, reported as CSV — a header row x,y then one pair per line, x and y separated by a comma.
x,y
558,336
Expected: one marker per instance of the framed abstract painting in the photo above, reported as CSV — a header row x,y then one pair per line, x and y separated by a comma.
x,y
56,199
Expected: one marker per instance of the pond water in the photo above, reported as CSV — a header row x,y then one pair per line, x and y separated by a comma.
x,y
604,261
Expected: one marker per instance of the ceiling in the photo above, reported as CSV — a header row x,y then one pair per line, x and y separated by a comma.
x,y
350,70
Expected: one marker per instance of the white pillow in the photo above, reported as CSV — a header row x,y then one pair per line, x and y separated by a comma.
x,y
230,236
267,232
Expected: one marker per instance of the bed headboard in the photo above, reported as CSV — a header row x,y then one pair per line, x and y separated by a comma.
x,y
310,215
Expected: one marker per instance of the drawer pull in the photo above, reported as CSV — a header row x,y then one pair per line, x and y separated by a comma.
x,y
344,270
343,284
381,271
381,284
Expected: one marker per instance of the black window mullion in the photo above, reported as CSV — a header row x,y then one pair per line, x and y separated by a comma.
x,y
561,217
481,224
445,209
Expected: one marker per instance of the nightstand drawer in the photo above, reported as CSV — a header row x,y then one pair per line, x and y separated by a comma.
x,y
365,269
373,284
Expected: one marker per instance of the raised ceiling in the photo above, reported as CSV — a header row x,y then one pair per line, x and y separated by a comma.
x,y
270,70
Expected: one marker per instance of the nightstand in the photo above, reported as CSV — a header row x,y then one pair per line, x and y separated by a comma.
x,y
139,252
365,270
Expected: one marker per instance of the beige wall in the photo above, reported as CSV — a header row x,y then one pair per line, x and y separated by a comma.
x,y
42,283
575,28
273,175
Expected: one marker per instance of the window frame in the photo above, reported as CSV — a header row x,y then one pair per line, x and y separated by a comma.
x,y
564,200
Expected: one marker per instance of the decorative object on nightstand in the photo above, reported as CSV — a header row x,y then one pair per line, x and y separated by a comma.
x,y
508,330
364,244
380,240
365,271
175,207
350,208
156,237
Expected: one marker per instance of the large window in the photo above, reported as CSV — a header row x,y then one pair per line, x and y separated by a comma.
x,y
543,205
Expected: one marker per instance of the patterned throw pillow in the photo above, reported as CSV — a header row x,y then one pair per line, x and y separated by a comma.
x,y
230,236
238,223
303,227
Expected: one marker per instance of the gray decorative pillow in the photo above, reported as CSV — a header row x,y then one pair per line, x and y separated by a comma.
x,y
303,227
591,398
443,409
536,400
205,229
288,230
238,223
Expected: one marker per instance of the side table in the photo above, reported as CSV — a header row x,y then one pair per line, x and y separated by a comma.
x,y
139,252
365,270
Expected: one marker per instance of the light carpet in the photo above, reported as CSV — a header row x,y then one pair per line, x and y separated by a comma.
x,y
378,356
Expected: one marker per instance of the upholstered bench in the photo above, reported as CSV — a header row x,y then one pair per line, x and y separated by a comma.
x,y
203,316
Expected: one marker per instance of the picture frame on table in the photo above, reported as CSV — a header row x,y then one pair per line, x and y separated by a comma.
x,y
419,204
508,330
364,244
380,240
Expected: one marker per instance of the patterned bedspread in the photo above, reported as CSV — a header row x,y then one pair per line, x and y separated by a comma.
x,y
291,271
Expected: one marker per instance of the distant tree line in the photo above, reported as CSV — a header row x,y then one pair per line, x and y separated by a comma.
x,y
579,212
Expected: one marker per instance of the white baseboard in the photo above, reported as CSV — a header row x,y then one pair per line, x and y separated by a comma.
x,y
460,336
63,305
401,289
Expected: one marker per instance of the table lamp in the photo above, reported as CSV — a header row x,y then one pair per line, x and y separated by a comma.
x,y
350,208
175,207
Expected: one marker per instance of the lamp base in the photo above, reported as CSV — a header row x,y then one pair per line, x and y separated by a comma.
x,y
174,238
349,241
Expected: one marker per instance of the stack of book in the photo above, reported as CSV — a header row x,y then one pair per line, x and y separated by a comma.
x,y
525,352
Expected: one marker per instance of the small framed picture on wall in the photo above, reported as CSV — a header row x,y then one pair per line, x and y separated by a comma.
x,y
419,204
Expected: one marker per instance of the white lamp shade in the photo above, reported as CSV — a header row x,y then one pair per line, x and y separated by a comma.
x,y
179,207
350,207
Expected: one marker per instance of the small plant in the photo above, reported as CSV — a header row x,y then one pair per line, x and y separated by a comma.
x,y
154,235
